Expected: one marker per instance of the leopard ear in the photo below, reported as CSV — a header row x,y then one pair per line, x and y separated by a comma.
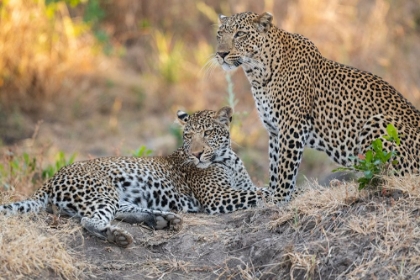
x,y
224,115
222,20
182,117
263,22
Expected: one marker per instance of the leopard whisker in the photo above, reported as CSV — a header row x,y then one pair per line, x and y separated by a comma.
x,y
236,144
187,161
209,67
247,58
253,63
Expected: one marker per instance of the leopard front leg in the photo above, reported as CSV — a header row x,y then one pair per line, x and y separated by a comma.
x,y
102,229
273,155
291,142
99,224
229,200
157,219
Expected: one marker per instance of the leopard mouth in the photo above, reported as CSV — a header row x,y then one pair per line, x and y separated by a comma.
x,y
227,66
204,164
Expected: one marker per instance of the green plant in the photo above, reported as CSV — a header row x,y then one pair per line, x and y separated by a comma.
x,y
142,152
238,117
176,131
60,162
16,167
376,161
140,96
171,54
231,99
91,14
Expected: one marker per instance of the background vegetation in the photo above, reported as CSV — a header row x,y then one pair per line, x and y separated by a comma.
x,y
106,77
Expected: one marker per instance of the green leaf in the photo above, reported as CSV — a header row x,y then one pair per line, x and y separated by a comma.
x,y
142,152
368,156
363,182
387,137
377,145
93,11
377,162
368,174
387,156
374,161
339,169
60,161
392,132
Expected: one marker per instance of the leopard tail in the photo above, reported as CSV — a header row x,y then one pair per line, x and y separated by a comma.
x,y
38,202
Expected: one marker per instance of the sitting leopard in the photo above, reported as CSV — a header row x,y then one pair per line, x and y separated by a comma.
x,y
304,99
202,175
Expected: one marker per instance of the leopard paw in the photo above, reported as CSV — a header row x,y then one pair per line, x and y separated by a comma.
x,y
168,220
119,236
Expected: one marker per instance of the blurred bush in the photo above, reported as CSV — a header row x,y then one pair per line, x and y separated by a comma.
x,y
45,43
41,47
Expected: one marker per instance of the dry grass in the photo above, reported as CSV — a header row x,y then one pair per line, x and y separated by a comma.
x,y
305,262
236,268
158,268
30,248
21,166
153,268
369,233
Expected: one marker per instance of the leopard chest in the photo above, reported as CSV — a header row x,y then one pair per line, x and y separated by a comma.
x,y
266,106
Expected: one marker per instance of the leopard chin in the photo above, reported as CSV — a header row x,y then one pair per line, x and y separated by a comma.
x,y
228,67
204,162
203,165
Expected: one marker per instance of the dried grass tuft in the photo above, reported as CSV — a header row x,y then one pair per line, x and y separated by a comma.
x,y
30,248
353,234
154,268
236,268
305,262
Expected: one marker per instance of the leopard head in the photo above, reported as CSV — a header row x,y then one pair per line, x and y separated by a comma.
x,y
206,137
241,38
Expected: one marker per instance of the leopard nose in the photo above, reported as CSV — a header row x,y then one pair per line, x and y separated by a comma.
x,y
222,54
197,154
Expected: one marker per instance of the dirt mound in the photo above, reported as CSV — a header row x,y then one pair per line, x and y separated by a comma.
x,y
327,233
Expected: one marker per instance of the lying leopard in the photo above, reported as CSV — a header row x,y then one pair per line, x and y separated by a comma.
x,y
304,99
202,175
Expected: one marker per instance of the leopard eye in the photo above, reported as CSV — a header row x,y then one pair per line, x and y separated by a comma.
x,y
219,33
239,34
187,135
207,133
